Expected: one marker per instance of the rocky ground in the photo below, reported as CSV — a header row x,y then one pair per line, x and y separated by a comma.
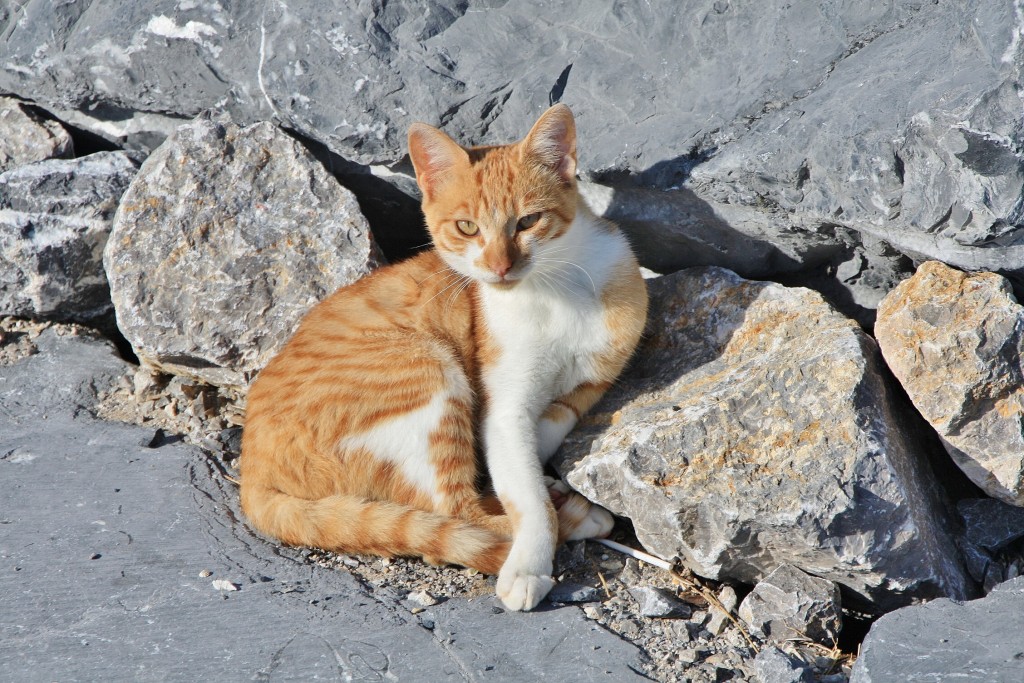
x,y
677,620
824,420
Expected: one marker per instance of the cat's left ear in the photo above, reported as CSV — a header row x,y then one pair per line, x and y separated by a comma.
x,y
434,155
552,141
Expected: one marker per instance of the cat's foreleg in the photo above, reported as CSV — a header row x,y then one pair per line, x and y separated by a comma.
x,y
563,413
510,442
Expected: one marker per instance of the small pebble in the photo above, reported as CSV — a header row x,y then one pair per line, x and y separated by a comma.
x,y
95,556
225,585
205,573
422,598
593,611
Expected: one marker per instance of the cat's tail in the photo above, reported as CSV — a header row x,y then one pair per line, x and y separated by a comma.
x,y
351,524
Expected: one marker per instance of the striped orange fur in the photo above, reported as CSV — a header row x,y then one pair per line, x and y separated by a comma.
x,y
370,430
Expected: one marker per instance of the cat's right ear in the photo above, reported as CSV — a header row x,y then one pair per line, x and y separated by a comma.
x,y
434,155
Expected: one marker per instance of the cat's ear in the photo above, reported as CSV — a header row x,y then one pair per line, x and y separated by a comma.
x,y
433,155
552,142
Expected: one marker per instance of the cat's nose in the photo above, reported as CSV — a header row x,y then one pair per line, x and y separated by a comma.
x,y
501,269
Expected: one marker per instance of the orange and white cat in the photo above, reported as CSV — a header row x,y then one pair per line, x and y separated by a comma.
x,y
370,430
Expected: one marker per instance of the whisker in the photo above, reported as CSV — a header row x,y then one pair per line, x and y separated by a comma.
x,y
574,265
458,278
552,282
452,298
437,272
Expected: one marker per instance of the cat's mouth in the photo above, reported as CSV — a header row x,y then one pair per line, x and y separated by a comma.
x,y
504,284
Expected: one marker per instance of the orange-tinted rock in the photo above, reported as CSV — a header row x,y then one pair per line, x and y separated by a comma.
x,y
755,429
954,341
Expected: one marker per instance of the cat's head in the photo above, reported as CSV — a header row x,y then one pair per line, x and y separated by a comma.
x,y
493,211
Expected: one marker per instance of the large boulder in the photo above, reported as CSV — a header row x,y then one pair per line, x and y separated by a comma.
x,y
55,218
812,132
954,340
226,237
756,429
26,137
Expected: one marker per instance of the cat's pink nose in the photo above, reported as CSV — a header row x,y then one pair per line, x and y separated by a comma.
x,y
501,270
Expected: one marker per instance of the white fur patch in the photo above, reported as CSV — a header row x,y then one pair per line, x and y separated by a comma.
x,y
404,440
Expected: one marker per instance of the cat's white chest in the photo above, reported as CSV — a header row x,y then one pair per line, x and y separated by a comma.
x,y
547,342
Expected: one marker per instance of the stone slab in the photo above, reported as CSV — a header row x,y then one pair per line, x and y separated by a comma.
x,y
975,642
104,540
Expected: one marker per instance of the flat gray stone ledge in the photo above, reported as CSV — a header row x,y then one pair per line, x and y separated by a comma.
x,y
124,562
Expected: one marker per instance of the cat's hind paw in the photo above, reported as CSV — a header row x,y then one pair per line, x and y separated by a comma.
x,y
578,518
522,592
582,519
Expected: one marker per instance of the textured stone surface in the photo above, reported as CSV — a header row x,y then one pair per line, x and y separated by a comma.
x,y
119,558
55,218
978,641
789,603
660,603
778,124
991,524
26,137
954,341
755,429
223,241
772,665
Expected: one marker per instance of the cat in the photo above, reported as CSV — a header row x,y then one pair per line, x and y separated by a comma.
x,y
372,429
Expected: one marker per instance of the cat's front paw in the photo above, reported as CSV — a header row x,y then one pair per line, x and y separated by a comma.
x,y
521,592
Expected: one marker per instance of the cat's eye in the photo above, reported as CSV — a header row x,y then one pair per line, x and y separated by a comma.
x,y
528,221
467,228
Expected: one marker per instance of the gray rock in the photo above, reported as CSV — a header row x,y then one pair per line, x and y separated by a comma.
x,y
569,592
978,641
853,117
117,559
954,341
755,429
26,137
790,604
991,524
659,603
223,241
941,178
772,665
720,619
762,128
55,218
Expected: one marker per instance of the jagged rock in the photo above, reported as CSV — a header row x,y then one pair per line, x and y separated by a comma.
x,y
55,217
660,603
977,642
719,617
26,137
954,341
764,126
991,524
789,603
941,178
755,429
772,665
223,241
573,593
